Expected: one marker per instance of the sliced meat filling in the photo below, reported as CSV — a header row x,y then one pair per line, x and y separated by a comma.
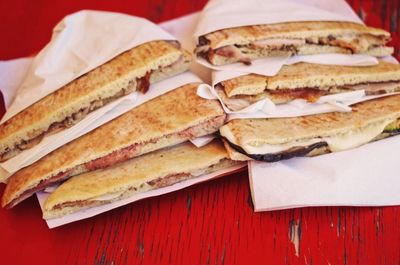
x,y
124,154
282,96
141,84
352,43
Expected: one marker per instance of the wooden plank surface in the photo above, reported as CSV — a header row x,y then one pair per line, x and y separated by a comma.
x,y
211,223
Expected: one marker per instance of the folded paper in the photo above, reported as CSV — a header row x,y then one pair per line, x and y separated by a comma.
x,y
364,176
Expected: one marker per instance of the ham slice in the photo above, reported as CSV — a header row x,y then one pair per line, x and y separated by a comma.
x,y
233,52
377,88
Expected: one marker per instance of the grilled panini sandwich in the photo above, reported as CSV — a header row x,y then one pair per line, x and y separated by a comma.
x,y
272,140
243,44
151,171
130,71
170,119
310,82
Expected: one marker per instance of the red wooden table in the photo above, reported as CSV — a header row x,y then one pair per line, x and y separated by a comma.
x,y
211,223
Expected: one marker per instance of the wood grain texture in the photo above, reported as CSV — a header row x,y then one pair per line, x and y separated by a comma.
x,y
211,223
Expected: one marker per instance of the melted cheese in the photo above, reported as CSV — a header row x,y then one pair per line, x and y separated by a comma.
x,y
336,143
356,138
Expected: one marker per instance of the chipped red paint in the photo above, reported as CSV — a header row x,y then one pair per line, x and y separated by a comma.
x,y
211,223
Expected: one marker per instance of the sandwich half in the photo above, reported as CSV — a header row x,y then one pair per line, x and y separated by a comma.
x,y
133,70
151,171
173,118
272,140
310,82
243,44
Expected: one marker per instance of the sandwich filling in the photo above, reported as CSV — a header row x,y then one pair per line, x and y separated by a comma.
x,y
134,150
282,96
259,150
244,53
140,84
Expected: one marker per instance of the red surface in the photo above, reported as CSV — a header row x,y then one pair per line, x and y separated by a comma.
x,y
212,223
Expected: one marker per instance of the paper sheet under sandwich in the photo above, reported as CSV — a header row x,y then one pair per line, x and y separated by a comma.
x,y
12,73
81,42
365,176
265,108
83,214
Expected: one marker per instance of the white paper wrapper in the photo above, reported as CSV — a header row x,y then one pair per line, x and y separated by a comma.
x,y
183,31
12,73
271,66
104,208
202,141
365,176
81,42
92,121
265,108
222,14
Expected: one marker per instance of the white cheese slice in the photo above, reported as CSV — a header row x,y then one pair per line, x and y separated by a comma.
x,y
356,138
336,143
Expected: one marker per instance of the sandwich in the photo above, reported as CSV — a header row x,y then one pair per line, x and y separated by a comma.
x,y
309,82
133,70
246,43
172,118
148,172
272,140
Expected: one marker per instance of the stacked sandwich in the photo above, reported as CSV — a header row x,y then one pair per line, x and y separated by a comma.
x,y
143,149
372,116
282,138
